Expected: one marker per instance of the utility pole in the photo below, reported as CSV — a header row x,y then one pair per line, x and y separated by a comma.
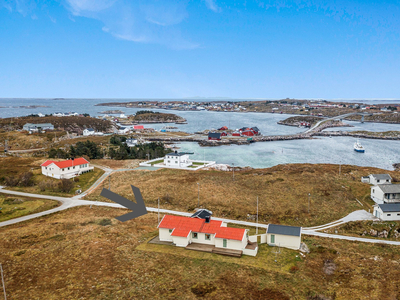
x,y
257,217
233,171
198,195
109,182
309,202
158,217
2,280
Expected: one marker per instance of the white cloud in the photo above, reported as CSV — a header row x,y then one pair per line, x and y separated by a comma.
x,y
151,21
212,5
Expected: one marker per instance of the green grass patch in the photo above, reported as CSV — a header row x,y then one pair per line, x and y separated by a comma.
x,y
15,206
157,162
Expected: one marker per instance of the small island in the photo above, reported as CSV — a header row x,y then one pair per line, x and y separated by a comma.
x,y
148,116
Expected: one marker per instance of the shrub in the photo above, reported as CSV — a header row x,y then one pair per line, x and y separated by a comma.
x,y
105,222
293,269
65,185
26,179
42,186
11,181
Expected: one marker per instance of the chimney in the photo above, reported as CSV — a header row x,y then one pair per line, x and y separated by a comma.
x,y
208,219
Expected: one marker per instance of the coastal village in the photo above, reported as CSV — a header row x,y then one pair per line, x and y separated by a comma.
x,y
279,219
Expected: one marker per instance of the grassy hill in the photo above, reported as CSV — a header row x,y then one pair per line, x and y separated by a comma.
x,y
282,190
85,253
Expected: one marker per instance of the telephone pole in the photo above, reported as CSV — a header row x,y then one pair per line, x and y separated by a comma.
x,y
2,280
257,217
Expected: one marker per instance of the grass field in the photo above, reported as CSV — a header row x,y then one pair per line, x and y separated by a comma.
x,y
85,253
282,191
15,206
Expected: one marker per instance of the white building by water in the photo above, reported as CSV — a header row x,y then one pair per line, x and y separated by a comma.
x,y
176,159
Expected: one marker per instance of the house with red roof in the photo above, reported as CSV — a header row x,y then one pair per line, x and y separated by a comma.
x,y
183,231
66,168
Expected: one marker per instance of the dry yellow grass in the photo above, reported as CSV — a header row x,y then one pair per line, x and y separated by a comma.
x,y
282,191
72,255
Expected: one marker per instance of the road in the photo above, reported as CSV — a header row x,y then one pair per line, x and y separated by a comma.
x,y
73,202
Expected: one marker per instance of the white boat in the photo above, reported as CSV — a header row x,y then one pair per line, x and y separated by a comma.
x,y
358,147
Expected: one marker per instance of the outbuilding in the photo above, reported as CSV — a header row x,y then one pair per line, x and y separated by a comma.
x,y
214,136
376,179
284,236
387,212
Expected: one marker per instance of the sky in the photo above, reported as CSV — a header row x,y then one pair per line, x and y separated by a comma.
x,y
200,48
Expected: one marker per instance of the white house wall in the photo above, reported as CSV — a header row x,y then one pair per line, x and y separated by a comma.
x,y
164,234
377,194
386,216
286,241
180,241
201,239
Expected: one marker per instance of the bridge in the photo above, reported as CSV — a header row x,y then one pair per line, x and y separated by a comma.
x,y
341,117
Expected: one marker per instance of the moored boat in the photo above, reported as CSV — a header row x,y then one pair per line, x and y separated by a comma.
x,y
358,147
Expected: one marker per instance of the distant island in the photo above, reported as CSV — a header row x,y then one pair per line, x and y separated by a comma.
x,y
110,112
147,116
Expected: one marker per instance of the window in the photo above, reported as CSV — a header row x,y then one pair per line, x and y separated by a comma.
x,y
373,191
73,167
208,236
63,170
170,231
377,180
194,235
168,161
176,162
46,168
398,214
389,215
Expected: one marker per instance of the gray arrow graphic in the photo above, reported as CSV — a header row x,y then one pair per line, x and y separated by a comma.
x,y
139,208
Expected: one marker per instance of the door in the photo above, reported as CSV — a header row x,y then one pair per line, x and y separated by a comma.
x,y
224,242
272,239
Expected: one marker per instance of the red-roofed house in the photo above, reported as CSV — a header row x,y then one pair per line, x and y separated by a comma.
x,y
66,168
183,231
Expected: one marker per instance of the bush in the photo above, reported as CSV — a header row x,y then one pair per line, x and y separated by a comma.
x,y
11,181
42,186
65,185
105,222
293,269
26,179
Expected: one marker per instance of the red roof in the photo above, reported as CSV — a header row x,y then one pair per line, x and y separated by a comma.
x,y
182,226
138,127
66,163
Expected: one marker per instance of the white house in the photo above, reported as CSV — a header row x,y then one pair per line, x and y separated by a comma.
x,y
176,159
376,179
183,231
385,193
88,131
284,236
123,130
131,142
387,212
65,169
38,127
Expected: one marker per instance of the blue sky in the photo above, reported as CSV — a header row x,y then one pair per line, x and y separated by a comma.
x,y
206,48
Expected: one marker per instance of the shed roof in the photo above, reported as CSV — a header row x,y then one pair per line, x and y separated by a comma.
x,y
283,229
381,176
214,135
391,207
89,129
389,188
202,214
